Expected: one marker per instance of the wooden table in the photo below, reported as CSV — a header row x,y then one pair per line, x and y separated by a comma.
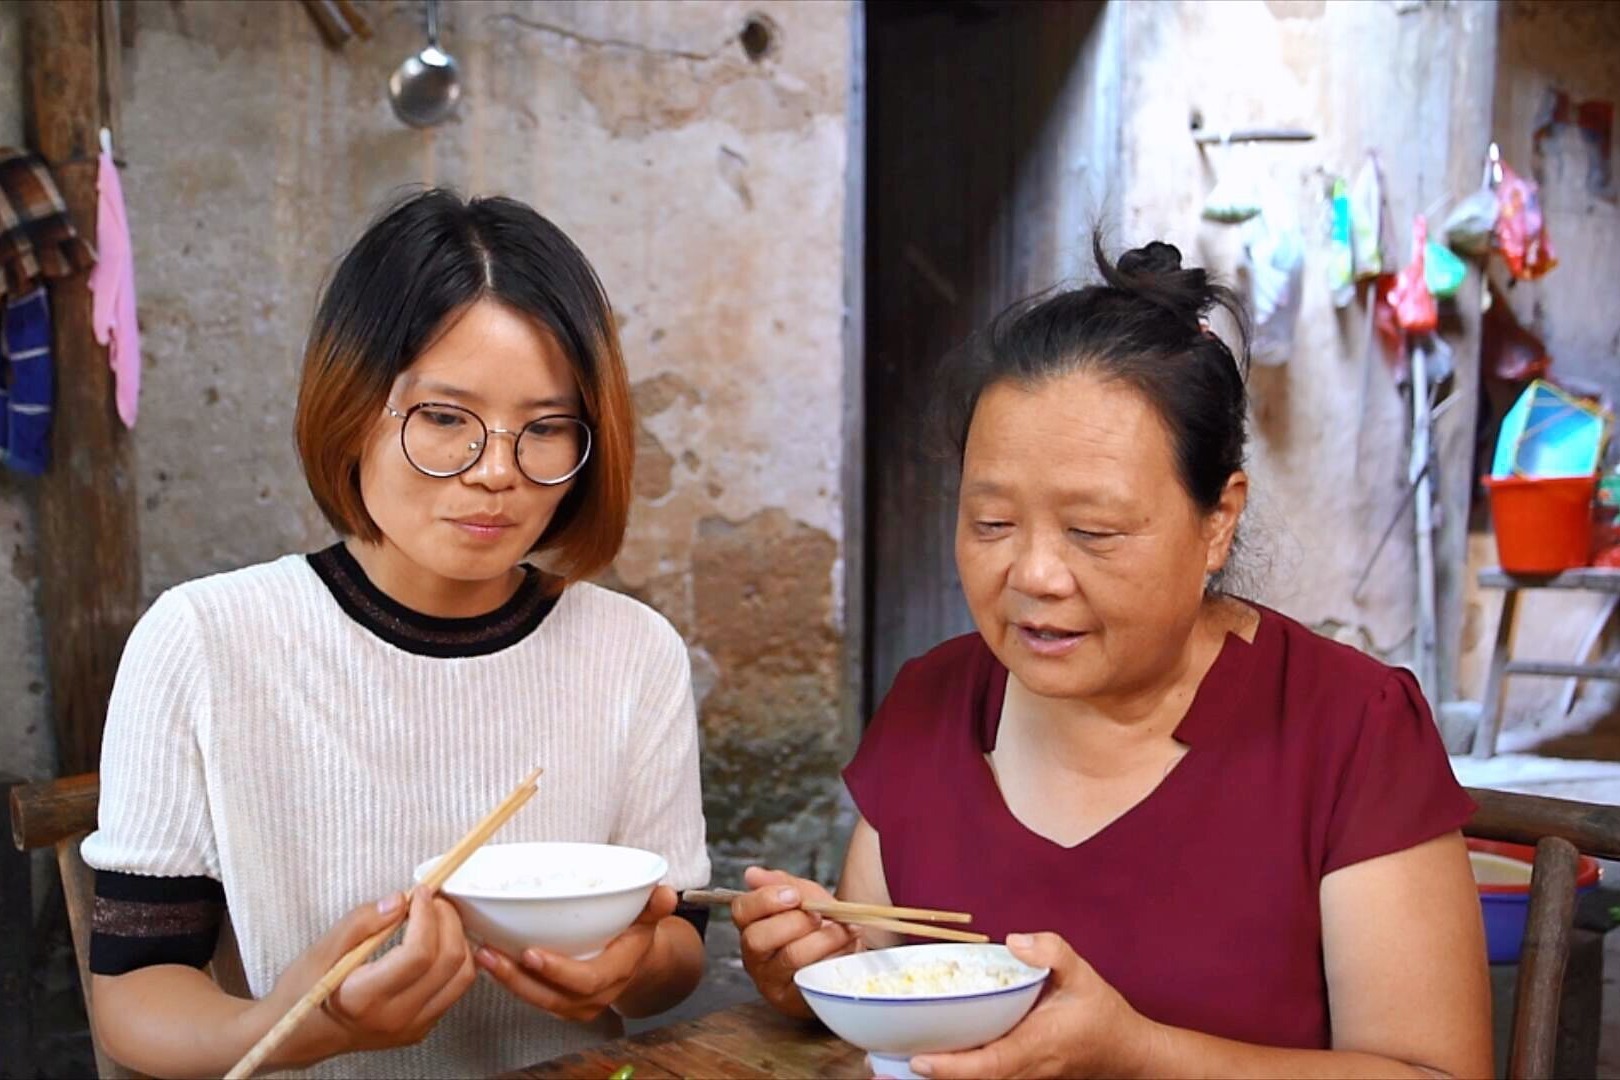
x,y
751,1040
1502,665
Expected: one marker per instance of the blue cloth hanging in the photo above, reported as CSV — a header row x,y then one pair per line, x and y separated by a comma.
x,y
27,383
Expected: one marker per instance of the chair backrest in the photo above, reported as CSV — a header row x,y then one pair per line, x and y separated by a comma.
x,y
57,814
1561,830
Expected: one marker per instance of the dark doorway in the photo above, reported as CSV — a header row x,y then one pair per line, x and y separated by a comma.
x,y
987,150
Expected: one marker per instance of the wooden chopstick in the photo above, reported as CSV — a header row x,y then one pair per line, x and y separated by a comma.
x,y
358,955
878,916
836,908
915,929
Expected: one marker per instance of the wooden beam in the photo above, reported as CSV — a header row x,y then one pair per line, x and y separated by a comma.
x,y
1594,828
1563,670
89,565
53,810
1595,578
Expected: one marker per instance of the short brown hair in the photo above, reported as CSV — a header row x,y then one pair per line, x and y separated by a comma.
x,y
428,257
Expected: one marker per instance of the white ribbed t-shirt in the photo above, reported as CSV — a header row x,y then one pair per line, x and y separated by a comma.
x,y
261,736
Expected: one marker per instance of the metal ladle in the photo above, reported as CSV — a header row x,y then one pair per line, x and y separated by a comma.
x,y
427,86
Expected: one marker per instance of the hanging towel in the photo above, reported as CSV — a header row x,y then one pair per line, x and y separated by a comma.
x,y
37,241
37,238
26,383
113,282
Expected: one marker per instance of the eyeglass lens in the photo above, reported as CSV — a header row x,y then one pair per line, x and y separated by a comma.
x,y
444,440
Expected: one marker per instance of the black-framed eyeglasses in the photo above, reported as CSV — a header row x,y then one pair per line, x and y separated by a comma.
x,y
442,440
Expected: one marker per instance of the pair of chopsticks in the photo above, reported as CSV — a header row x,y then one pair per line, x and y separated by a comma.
x,y
362,952
878,916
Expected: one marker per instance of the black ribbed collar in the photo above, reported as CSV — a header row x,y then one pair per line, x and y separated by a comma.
x,y
431,635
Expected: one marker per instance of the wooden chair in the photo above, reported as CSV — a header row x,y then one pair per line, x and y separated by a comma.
x,y
1561,830
58,814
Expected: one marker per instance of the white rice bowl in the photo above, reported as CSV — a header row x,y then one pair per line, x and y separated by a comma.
x,y
921,999
566,898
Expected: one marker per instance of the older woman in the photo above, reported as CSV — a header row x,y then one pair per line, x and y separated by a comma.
x,y
1234,842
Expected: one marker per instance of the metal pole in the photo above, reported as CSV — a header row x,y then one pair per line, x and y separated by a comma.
x,y
1423,516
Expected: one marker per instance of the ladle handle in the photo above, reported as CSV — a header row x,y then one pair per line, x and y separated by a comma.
x,y
433,23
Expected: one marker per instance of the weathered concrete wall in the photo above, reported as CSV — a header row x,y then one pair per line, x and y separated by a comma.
x,y
26,745
708,188
1545,48
1568,47
1411,82
11,74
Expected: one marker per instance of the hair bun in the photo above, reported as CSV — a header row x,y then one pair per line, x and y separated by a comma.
x,y
1153,274
1156,258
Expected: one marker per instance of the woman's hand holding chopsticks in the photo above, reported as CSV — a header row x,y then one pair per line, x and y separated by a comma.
x,y
393,1000
779,937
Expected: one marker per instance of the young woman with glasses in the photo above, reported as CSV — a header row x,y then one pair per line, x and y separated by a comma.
x,y
285,742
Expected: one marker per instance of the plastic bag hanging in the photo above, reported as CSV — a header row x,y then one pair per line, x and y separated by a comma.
x,y
1391,339
1367,221
1275,253
1443,272
1235,198
1521,232
1440,358
1471,225
1341,261
1415,309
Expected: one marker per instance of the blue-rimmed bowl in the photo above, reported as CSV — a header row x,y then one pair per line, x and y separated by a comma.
x,y
1502,874
959,997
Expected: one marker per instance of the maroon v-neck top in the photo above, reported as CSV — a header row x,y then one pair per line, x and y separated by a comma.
x,y
1201,903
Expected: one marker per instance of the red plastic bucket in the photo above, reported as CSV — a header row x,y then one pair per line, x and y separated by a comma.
x,y
1543,525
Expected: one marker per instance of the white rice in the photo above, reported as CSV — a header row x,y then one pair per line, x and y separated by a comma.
x,y
551,882
936,978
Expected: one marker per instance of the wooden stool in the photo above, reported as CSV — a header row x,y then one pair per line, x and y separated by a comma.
x,y
1590,579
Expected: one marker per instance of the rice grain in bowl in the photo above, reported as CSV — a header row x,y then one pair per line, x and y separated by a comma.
x,y
563,897
920,999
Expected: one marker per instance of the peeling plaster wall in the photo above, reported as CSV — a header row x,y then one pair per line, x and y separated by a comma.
x,y
11,74
1569,47
27,744
1411,81
708,189
27,748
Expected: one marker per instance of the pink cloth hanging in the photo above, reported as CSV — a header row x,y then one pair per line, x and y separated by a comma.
x,y
113,283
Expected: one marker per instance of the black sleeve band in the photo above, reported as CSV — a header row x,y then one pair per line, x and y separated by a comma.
x,y
140,921
697,915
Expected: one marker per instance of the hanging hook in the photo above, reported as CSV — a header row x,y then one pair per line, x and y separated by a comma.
x,y
106,141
